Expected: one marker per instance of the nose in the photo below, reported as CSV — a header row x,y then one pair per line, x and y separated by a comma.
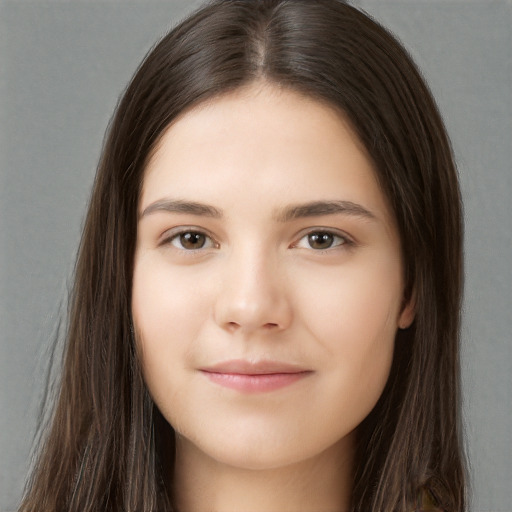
x,y
253,296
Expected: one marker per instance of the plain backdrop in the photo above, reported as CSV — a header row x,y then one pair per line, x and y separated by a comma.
x,y
63,65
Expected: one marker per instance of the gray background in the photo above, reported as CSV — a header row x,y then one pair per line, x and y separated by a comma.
x,y
63,65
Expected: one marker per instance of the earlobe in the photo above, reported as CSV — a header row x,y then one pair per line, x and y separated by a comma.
x,y
408,312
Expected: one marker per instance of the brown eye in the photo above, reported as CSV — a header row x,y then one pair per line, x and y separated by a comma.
x,y
323,240
191,240
320,240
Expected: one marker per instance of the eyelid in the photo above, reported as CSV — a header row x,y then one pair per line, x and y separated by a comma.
x,y
348,241
171,234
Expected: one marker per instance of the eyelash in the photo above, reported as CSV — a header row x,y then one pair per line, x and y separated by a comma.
x,y
344,240
175,235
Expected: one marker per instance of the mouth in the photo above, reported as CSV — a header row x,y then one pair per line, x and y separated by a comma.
x,y
259,377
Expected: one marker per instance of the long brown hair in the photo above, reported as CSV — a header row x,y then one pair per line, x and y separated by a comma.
x,y
107,446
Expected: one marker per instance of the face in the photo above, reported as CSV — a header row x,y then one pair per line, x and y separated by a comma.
x,y
268,284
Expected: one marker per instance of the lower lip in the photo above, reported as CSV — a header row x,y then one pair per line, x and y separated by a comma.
x,y
255,383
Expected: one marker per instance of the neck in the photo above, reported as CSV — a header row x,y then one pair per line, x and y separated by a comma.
x,y
319,484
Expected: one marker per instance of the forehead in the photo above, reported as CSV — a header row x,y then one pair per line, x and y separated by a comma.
x,y
261,106
262,140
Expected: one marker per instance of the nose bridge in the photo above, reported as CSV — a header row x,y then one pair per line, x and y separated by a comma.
x,y
253,294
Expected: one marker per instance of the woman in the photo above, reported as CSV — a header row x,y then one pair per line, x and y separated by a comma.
x,y
266,305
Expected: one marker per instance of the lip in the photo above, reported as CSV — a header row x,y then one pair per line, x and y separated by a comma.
x,y
257,377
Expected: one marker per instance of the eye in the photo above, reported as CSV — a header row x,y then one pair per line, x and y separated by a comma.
x,y
190,240
322,240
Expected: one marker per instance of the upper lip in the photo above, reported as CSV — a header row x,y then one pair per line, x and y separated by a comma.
x,y
263,367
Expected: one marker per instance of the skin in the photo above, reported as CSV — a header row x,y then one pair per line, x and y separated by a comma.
x,y
258,287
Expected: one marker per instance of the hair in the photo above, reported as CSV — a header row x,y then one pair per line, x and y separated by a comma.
x,y
107,446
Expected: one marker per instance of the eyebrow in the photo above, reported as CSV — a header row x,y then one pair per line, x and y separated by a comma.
x,y
319,208
286,214
179,206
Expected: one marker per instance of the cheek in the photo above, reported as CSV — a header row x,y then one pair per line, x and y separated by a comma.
x,y
168,313
360,301
166,301
353,315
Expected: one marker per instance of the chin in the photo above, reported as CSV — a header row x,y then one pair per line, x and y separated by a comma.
x,y
260,459
264,449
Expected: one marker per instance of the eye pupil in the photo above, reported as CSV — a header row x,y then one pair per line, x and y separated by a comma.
x,y
192,240
320,240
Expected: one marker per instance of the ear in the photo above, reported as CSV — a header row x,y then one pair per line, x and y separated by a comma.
x,y
408,311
